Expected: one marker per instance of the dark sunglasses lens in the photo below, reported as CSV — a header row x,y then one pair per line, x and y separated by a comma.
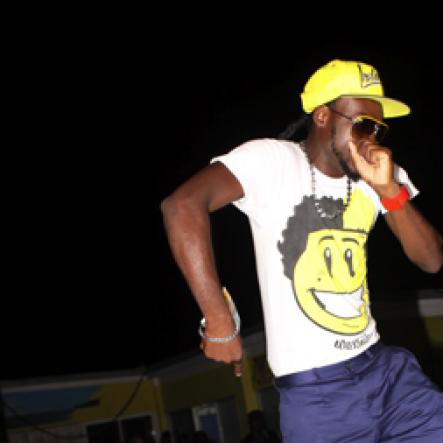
x,y
380,134
366,128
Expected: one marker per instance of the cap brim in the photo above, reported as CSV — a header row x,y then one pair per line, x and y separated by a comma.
x,y
391,107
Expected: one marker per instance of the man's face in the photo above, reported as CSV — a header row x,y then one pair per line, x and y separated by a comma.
x,y
341,130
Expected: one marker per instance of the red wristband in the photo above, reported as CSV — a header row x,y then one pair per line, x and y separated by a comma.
x,y
396,202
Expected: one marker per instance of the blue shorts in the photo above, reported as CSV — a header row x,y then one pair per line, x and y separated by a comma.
x,y
381,395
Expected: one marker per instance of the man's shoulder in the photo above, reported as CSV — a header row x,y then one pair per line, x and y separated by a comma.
x,y
272,142
272,146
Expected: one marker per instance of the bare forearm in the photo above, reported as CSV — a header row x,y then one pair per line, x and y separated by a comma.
x,y
186,220
188,230
420,241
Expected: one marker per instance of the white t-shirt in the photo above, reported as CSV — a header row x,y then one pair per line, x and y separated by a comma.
x,y
311,271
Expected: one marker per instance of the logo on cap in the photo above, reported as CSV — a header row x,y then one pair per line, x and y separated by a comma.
x,y
368,78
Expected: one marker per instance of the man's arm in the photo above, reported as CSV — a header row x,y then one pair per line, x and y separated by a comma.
x,y
420,240
187,224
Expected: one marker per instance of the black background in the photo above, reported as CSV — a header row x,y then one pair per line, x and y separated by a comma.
x,y
90,282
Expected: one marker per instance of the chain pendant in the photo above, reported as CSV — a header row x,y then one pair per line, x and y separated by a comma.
x,y
321,212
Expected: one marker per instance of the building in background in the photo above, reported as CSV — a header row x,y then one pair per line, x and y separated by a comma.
x,y
190,393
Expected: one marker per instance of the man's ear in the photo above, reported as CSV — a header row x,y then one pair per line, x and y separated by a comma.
x,y
321,116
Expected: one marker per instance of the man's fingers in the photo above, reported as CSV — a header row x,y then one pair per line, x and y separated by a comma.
x,y
352,147
363,165
354,152
238,368
219,353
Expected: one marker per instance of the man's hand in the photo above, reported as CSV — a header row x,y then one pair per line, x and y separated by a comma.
x,y
375,166
421,242
229,352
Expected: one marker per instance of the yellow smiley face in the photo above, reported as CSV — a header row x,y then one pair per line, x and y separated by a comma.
x,y
330,280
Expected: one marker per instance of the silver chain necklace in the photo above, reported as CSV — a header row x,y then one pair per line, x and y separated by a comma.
x,y
317,205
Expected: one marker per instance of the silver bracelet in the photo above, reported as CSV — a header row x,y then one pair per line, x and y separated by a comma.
x,y
235,316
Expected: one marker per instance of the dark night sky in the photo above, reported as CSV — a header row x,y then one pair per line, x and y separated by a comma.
x,y
93,286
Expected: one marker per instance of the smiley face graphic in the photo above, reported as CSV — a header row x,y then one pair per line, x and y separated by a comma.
x,y
330,280
326,262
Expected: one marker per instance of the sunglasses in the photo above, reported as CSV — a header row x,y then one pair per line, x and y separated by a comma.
x,y
365,126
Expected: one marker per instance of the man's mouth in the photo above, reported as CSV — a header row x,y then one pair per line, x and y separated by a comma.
x,y
343,305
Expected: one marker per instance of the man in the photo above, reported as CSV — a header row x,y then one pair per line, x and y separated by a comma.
x,y
311,206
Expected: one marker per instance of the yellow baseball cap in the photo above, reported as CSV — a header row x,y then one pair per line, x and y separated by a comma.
x,y
340,78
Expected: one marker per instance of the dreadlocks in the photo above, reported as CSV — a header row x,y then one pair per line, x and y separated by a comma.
x,y
298,129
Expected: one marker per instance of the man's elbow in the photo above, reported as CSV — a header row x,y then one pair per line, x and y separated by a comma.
x,y
432,265
436,263
166,205
169,207
179,208
432,269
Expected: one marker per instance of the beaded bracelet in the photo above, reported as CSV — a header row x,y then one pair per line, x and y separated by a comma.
x,y
235,316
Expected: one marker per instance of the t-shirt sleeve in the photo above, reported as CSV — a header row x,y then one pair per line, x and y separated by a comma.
x,y
256,166
401,177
